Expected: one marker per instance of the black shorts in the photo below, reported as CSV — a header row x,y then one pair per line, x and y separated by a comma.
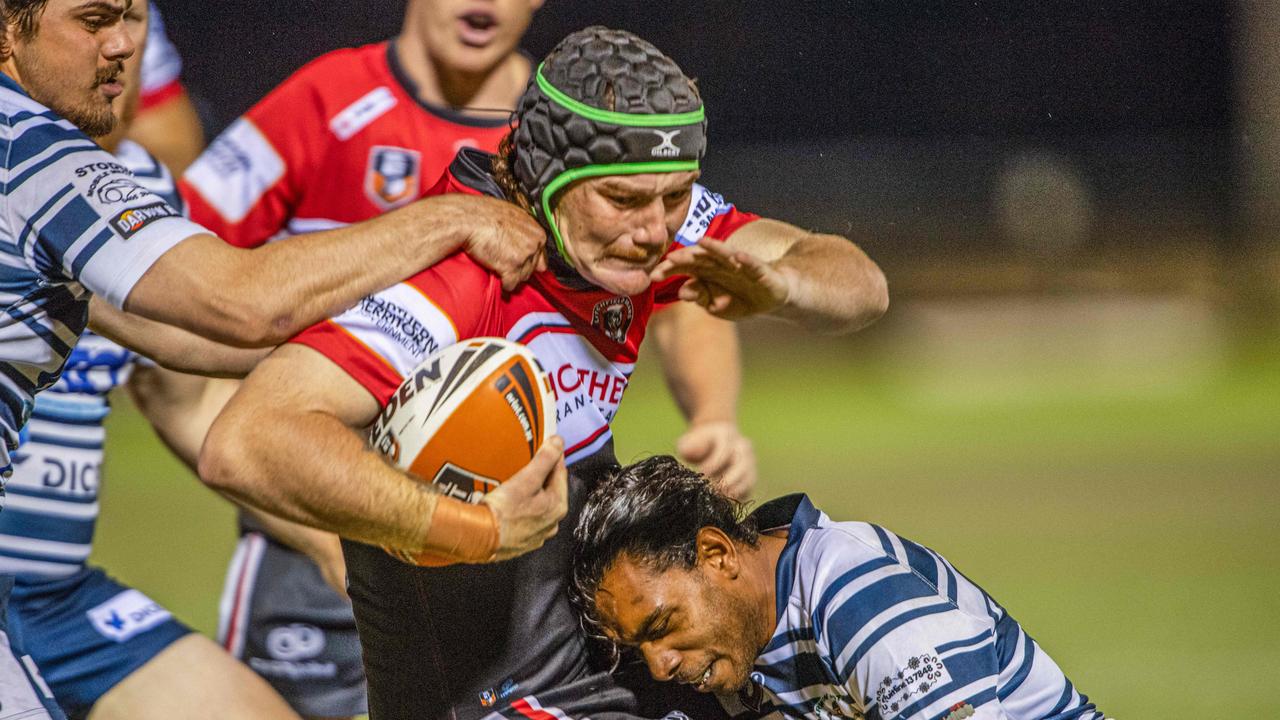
x,y
468,642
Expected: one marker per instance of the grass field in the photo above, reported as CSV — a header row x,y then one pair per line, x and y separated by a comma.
x,y
1133,534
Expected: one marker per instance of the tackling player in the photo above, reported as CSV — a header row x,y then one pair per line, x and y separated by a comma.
x,y
106,650
606,152
798,614
352,134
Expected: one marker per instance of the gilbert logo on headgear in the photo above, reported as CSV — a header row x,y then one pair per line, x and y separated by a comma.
x,y
667,148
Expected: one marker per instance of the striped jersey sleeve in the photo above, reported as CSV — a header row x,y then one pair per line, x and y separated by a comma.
x,y
877,626
72,212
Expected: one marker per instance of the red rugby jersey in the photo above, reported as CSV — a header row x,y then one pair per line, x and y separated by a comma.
x,y
586,338
342,140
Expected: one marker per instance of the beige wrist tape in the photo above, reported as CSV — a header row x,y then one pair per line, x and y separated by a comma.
x,y
463,531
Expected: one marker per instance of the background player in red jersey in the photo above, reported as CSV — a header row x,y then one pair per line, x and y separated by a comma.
x,y
467,640
351,135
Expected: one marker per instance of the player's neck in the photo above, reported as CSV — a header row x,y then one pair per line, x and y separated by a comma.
x,y
499,88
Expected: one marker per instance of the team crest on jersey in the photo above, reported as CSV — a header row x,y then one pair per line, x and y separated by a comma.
x,y
613,317
393,177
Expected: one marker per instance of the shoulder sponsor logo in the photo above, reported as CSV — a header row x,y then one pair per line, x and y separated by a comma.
x,y
236,170
100,167
922,674
666,147
704,207
126,615
613,317
399,324
130,222
297,641
357,116
960,711
393,176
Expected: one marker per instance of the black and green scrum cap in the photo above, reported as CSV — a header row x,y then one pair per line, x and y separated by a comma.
x,y
604,102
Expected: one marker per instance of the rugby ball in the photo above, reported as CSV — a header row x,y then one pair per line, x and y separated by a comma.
x,y
466,419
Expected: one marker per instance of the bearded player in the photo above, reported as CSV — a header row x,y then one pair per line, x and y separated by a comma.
x,y
606,153
353,134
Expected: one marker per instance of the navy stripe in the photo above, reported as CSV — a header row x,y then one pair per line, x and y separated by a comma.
x,y
18,281
805,517
16,405
16,554
946,647
887,628
26,115
41,413
14,489
66,227
921,561
1064,700
971,668
884,541
820,608
37,139
785,639
66,442
76,531
29,228
952,583
1007,634
17,182
90,250
44,333
1028,659
857,611
801,670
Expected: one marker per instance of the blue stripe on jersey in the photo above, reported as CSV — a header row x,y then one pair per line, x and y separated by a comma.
x,y
66,442
76,531
14,489
884,541
17,182
888,627
25,115
1028,658
859,609
90,250
1067,692
29,230
63,230
791,636
962,675
921,561
806,515
36,139
41,331
944,648
87,417
1007,635
803,670
820,608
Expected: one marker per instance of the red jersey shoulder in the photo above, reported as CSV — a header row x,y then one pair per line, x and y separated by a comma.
x,y
729,222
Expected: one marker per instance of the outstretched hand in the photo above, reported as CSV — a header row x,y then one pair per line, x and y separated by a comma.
x,y
727,283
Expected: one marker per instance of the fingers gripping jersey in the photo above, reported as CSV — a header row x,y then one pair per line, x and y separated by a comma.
x,y
73,220
586,338
872,625
342,140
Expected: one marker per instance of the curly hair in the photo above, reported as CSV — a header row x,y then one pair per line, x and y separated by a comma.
x,y
21,15
650,511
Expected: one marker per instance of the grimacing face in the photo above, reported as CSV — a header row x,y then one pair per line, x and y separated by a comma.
x,y
616,228
74,61
471,36
690,625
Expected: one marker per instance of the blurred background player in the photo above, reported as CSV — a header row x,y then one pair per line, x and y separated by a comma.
x,y
467,640
798,615
106,650
166,124
353,134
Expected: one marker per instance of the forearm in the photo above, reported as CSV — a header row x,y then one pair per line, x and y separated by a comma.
x,y
700,362
833,286
309,468
171,347
320,546
263,296
180,408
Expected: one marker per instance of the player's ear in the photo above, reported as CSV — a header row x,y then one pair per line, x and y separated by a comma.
x,y
717,553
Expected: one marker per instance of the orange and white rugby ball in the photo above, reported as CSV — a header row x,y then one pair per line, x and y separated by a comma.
x,y
466,419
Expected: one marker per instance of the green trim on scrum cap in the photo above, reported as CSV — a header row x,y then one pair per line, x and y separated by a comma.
x,y
568,176
616,118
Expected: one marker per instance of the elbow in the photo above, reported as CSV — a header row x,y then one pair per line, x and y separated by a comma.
x,y
871,300
220,465
254,321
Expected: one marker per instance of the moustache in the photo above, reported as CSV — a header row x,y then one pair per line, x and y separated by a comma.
x,y
108,74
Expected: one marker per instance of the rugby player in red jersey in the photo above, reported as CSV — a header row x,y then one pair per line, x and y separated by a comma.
x,y
606,155
351,135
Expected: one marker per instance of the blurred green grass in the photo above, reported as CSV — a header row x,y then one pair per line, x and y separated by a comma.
x,y
1132,534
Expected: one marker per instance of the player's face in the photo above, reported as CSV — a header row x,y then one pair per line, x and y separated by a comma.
x,y
471,36
615,228
690,625
74,61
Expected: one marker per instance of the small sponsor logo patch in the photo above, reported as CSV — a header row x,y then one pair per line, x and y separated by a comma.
x,y
613,317
666,146
130,222
297,641
357,116
236,170
704,206
393,176
126,615
922,674
960,711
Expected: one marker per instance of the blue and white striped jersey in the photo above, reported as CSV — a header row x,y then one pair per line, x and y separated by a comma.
x,y
872,625
46,528
73,221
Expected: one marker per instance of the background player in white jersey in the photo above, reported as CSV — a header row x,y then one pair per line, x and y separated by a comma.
x,y
799,614
105,650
